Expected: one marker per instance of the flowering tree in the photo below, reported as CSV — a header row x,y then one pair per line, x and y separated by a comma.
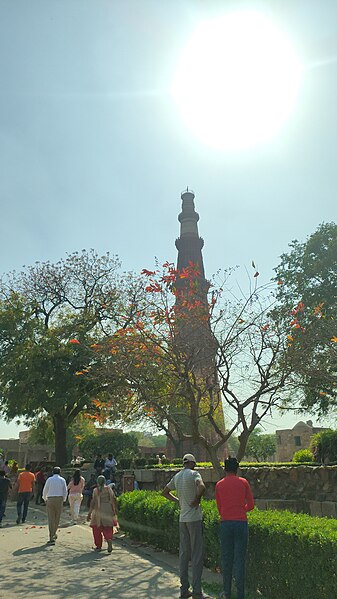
x,y
184,359
51,316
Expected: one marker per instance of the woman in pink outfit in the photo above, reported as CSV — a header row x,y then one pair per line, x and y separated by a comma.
x,y
102,514
75,488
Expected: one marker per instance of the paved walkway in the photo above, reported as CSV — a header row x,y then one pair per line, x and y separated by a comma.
x,y
30,568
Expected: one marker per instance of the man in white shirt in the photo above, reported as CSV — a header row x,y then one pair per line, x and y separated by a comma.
x,y
190,488
54,494
110,466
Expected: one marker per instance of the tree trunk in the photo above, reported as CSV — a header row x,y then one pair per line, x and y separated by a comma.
x,y
215,461
243,438
60,430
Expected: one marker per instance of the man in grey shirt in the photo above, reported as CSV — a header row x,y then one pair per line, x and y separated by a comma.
x,y
190,488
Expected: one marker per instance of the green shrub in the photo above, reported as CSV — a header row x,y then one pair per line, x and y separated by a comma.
x,y
178,461
153,462
290,555
303,455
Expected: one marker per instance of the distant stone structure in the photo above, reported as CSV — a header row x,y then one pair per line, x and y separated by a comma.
x,y
288,441
193,336
23,452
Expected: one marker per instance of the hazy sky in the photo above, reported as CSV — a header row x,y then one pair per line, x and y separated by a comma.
x,y
94,153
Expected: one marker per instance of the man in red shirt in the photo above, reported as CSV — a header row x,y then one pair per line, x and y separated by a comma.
x,y
234,499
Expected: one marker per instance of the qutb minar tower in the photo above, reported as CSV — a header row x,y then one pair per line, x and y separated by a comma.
x,y
189,244
195,336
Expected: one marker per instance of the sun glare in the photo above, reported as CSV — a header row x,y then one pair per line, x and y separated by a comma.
x,y
237,80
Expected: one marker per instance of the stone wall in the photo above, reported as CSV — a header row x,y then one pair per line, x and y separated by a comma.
x,y
308,489
24,453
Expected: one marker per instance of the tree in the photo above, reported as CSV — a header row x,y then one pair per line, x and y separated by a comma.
x,y
168,384
306,305
51,316
323,446
42,433
261,447
149,440
114,442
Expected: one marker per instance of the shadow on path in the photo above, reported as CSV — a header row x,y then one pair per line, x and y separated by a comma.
x,y
72,569
29,550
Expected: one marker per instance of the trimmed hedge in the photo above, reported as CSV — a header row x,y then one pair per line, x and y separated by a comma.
x,y
290,555
174,465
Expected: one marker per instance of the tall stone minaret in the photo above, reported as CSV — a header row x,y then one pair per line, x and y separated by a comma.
x,y
189,244
193,334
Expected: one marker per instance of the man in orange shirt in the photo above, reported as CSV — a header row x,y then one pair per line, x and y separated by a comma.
x,y
25,489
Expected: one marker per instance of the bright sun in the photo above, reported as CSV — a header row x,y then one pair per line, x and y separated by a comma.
x,y
237,80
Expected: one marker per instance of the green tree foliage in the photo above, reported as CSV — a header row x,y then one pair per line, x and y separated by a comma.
x,y
324,446
42,433
303,455
150,440
306,295
51,315
115,442
233,445
260,446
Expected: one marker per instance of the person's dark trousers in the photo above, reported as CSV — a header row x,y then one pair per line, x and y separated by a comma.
x,y
23,498
234,541
3,501
191,548
38,491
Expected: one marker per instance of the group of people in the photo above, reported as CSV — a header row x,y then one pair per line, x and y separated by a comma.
x,y
54,492
234,499
106,466
102,511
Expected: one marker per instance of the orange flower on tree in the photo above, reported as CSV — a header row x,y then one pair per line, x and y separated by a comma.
x,y
299,308
74,341
333,339
318,309
153,288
